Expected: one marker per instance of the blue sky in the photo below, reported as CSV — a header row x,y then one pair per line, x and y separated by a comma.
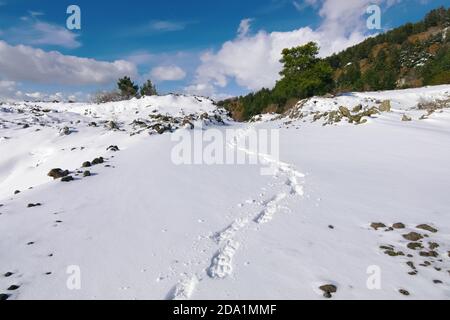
x,y
183,46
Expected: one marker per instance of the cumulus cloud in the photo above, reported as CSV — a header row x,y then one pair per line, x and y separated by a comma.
x,y
32,31
168,73
24,63
252,61
47,34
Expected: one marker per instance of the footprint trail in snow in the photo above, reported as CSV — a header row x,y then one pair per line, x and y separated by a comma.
x,y
221,265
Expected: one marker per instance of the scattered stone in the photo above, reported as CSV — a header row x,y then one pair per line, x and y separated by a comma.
x,y
413,236
113,148
86,164
427,228
65,131
433,245
328,289
411,265
187,123
426,264
406,118
48,273
398,225
433,254
32,205
87,173
386,247
413,273
30,243
58,173
331,227
8,274
385,106
437,281
13,287
357,108
415,245
67,179
404,292
378,225
111,125
98,160
4,296
17,192
392,253
345,111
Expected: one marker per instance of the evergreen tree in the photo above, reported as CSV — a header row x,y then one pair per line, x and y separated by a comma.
x,y
127,88
148,89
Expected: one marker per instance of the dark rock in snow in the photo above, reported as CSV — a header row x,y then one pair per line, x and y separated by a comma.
x,y
58,173
415,245
378,225
99,160
4,296
32,205
398,225
113,148
13,287
433,254
67,179
427,228
328,289
404,292
86,164
413,236
87,173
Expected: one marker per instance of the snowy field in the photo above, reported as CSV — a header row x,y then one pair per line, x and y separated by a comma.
x,y
363,210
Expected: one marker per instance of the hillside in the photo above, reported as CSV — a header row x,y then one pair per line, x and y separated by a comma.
x,y
410,56
341,201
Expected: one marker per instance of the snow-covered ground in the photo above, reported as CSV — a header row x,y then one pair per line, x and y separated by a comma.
x,y
142,227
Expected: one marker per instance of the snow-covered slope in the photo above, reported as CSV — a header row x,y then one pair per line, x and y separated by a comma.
x,y
141,227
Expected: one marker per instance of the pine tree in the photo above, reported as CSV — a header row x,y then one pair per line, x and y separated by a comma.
x,y
127,88
148,89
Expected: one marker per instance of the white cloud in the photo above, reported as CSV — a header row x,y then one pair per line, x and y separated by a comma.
x,y
140,57
302,5
252,61
244,27
44,33
24,63
32,31
9,92
168,73
166,25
